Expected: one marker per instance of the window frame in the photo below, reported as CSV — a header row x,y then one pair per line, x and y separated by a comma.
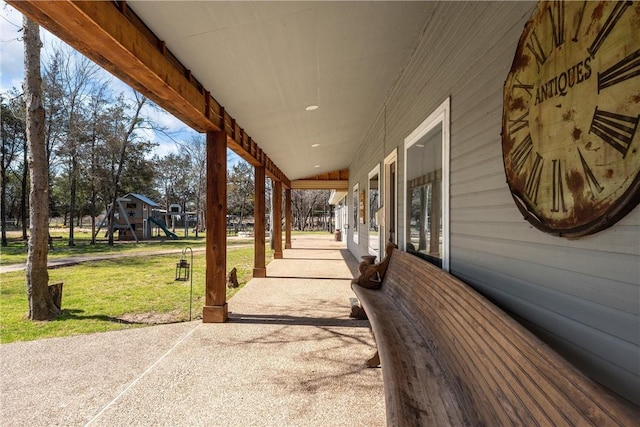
x,y
356,213
392,158
440,116
373,172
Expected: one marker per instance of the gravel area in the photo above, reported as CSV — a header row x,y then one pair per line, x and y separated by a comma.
x,y
289,356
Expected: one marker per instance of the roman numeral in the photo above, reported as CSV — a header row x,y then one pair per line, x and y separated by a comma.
x,y
594,185
556,15
533,182
623,70
611,22
615,129
521,153
520,85
558,188
536,49
584,6
519,123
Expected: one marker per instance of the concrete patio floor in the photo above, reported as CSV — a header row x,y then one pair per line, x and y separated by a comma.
x,y
289,356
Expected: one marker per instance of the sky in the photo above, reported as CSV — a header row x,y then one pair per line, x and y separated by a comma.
x,y
12,75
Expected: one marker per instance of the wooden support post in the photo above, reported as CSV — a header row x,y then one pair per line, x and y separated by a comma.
x,y
287,218
277,220
259,266
215,309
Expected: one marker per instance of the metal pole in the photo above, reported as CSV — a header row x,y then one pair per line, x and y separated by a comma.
x,y
184,252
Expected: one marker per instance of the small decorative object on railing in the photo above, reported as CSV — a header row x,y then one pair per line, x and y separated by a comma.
x,y
371,275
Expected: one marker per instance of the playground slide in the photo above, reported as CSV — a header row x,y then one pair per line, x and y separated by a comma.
x,y
164,228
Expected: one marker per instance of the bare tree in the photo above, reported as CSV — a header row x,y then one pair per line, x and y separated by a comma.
x,y
240,193
173,173
41,306
12,134
196,148
98,103
123,133
24,213
303,205
74,78
14,160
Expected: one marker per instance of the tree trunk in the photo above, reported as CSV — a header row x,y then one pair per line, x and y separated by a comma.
x,y
72,199
197,209
41,306
123,151
93,181
4,163
93,217
3,203
23,202
422,239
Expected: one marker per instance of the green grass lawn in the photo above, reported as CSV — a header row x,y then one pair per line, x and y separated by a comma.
x,y
16,251
114,294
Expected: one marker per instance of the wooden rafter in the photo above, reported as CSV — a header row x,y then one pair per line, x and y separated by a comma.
x,y
301,184
112,35
335,180
340,175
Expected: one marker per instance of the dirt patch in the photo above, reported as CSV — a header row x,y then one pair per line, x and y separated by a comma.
x,y
153,318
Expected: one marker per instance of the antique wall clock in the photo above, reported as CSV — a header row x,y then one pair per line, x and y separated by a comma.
x,y
570,139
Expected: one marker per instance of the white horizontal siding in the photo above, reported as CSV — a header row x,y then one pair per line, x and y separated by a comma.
x,y
583,295
609,266
570,288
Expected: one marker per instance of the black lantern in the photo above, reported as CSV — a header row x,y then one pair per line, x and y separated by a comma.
x,y
183,273
183,269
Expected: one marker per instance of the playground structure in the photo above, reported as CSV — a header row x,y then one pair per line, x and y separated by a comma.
x,y
136,216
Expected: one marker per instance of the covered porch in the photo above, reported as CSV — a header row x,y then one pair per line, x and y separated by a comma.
x,y
289,355
397,103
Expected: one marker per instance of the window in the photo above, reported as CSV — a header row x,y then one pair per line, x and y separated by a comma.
x,y
374,207
427,188
355,205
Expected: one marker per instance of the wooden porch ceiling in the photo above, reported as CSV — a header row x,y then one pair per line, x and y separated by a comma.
x,y
335,180
269,63
112,35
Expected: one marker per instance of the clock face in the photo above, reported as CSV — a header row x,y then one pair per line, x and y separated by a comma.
x,y
570,138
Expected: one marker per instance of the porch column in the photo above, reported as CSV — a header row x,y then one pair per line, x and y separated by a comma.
x,y
277,220
287,218
259,263
215,309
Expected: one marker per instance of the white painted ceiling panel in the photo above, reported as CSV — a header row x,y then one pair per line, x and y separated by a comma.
x,y
266,61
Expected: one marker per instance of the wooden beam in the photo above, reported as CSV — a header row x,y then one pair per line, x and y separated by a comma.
x,y
215,309
338,175
277,220
259,211
302,184
113,36
334,180
287,218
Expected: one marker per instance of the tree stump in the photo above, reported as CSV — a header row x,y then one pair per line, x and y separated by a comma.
x,y
232,279
55,289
